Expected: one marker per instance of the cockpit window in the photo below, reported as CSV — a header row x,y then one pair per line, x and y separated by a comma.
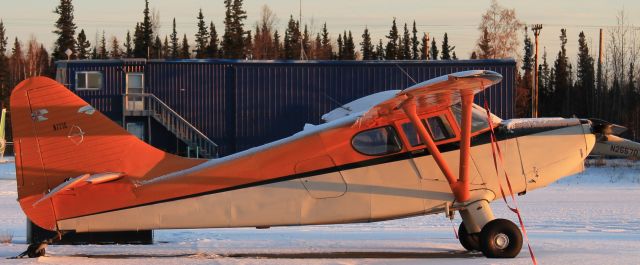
x,y
378,141
438,128
478,117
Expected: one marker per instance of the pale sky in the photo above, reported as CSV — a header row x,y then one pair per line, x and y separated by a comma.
x,y
459,18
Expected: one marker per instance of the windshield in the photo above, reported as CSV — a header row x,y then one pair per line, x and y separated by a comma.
x,y
478,117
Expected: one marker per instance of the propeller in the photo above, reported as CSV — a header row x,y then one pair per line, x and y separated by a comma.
x,y
606,128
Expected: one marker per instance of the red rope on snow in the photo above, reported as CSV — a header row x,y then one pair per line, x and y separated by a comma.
x,y
495,149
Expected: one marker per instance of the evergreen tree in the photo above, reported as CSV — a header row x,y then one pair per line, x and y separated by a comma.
x,y
292,40
115,52
545,86
277,46
65,29
585,83
317,47
561,81
83,46
349,47
391,51
525,83
212,49
16,64
406,44
415,53
248,46
128,46
446,49
166,49
175,46
143,35
306,42
94,53
484,45
102,49
184,48
424,48
366,47
454,56
474,56
157,48
4,66
380,51
233,38
327,49
434,50
340,53
202,37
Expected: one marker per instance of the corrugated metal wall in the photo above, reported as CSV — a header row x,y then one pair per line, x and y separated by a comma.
x,y
242,104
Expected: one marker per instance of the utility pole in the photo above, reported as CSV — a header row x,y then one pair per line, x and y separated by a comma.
x,y
600,87
426,46
534,96
303,56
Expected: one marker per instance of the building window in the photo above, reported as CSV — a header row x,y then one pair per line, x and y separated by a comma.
x,y
88,80
379,141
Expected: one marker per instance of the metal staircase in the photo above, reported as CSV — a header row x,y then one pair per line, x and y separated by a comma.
x,y
148,105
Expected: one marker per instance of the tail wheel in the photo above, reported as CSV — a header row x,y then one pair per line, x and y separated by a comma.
x,y
500,238
470,242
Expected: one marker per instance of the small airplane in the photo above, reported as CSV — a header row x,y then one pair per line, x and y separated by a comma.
x,y
427,149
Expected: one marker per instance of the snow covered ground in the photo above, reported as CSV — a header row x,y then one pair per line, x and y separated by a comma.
x,y
589,218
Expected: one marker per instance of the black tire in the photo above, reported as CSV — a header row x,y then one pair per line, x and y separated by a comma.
x,y
500,238
470,242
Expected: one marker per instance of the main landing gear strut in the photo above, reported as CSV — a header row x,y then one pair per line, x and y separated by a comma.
x,y
35,250
481,231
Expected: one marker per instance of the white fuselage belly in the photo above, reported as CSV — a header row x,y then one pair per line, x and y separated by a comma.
x,y
384,191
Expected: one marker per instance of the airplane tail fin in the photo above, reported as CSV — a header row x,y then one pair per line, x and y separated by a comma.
x,y
58,135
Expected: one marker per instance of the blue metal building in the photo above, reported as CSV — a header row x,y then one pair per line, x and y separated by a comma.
x,y
209,107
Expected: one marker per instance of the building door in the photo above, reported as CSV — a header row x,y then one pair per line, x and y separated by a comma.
x,y
135,92
137,129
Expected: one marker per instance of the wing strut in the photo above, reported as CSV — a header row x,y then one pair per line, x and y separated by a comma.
x,y
459,186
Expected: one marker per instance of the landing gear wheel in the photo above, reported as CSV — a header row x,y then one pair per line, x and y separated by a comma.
x,y
34,250
500,238
470,242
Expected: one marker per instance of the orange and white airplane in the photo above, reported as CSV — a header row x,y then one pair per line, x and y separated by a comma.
x,y
423,150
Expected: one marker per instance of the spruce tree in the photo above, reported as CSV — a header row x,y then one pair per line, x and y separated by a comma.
x,y
202,37
406,45
65,29
349,47
4,66
415,55
184,48
327,49
128,46
212,49
83,46
306,42
317,47
474,56
424,48
339,55
157,48
247,51
527,69
175,46
366,47
94,53
115,52
143,35
277,45
391,51
233,38
561,81
380,50
585,82
292,40
166,49
102,49
454,56
434,50
446,49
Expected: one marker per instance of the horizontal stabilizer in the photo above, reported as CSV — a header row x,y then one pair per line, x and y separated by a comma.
x,y
63,186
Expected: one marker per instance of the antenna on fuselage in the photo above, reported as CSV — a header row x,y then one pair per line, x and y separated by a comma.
x,y
336,102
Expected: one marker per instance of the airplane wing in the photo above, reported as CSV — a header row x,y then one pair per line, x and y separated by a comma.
x,y
432,95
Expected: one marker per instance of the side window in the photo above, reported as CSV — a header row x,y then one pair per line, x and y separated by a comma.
x,y
88,80
378,141
438,128
478,117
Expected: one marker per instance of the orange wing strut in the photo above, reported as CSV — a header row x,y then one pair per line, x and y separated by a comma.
x,y
460,186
